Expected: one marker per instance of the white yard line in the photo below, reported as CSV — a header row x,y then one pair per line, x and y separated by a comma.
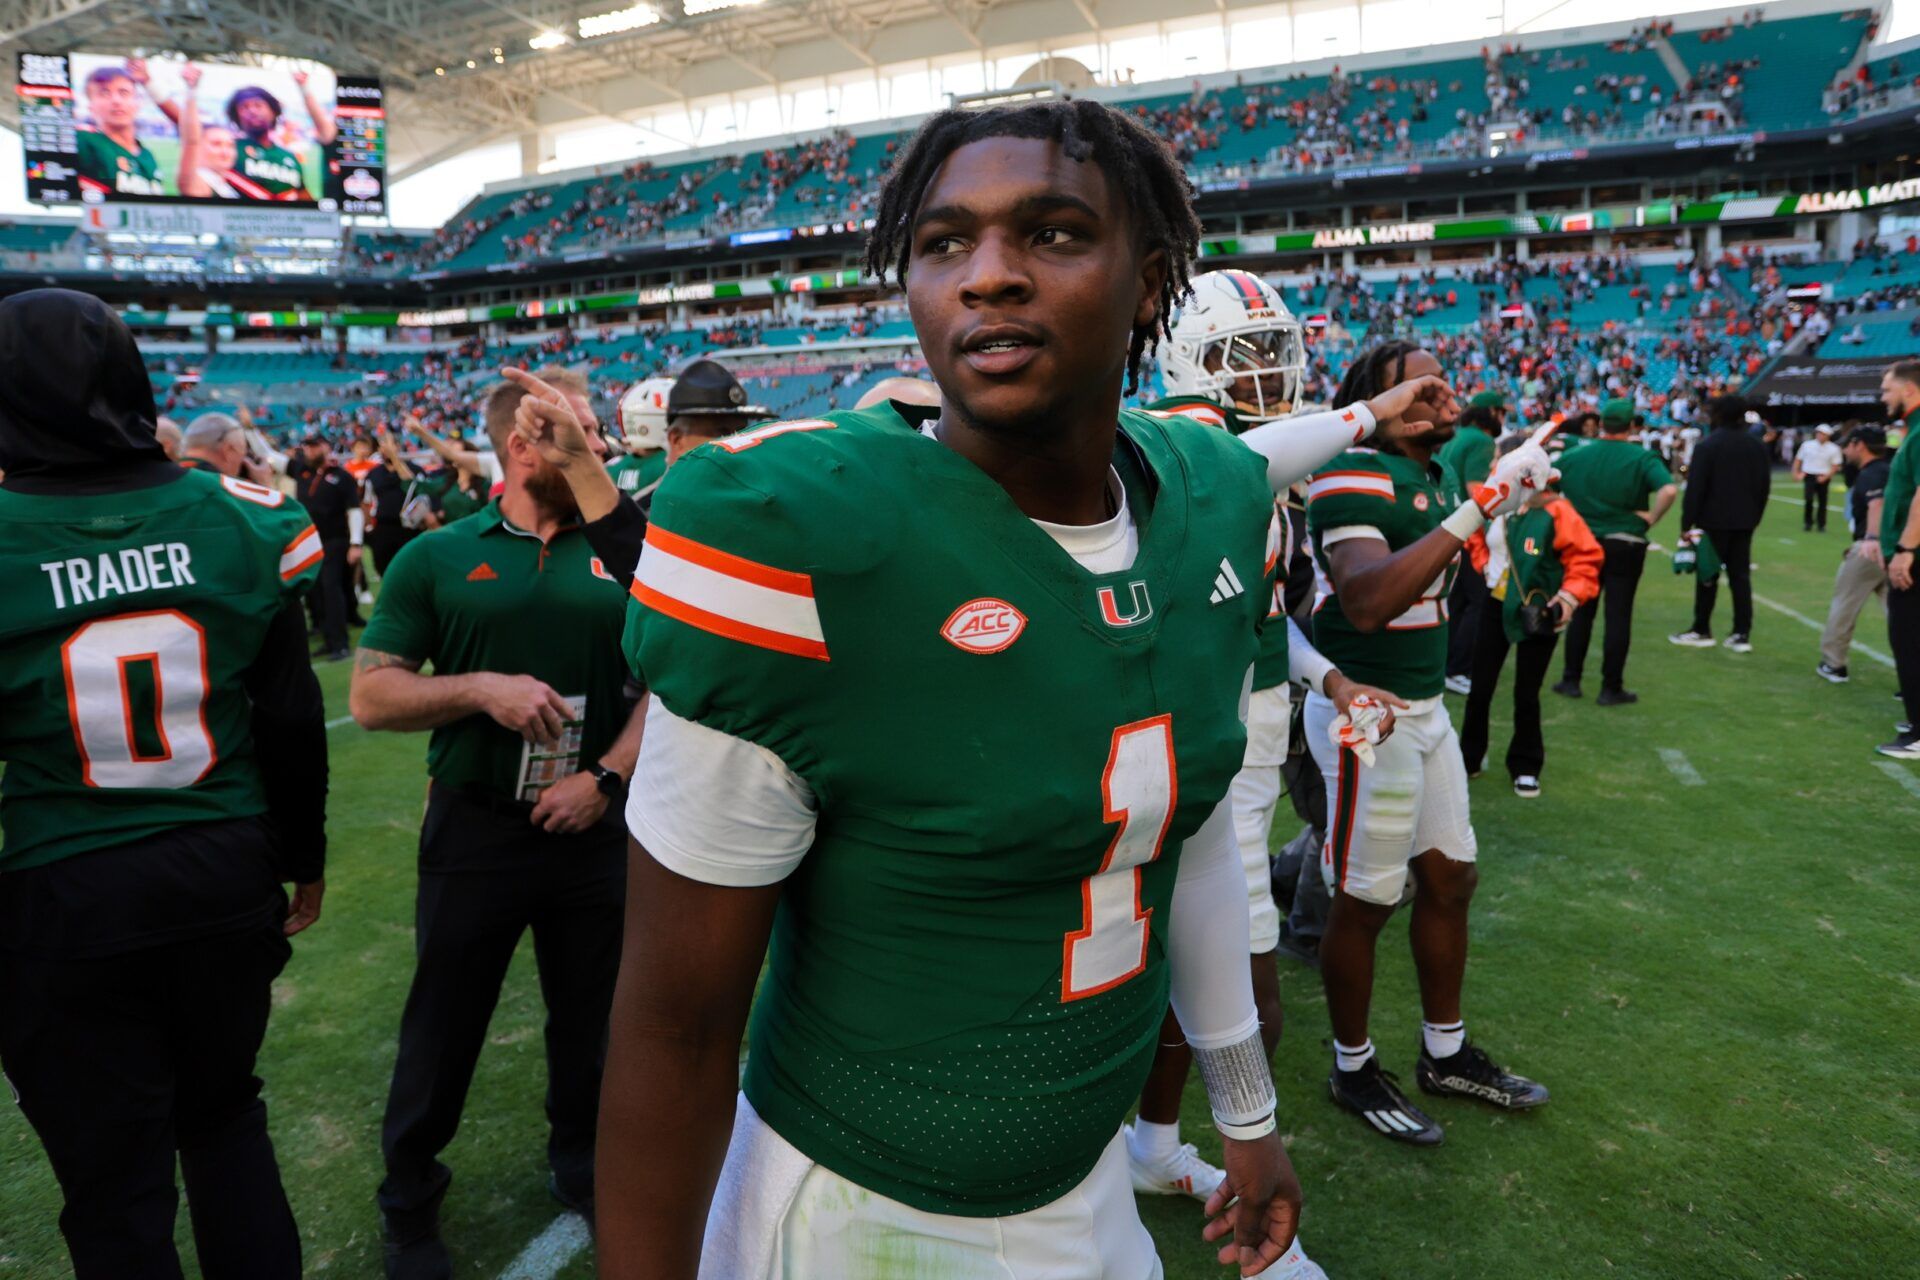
x,y
551,1250
338,721
1905,777
1681,767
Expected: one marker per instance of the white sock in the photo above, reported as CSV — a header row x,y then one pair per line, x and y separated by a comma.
x,y
1443,1039
1352,1057
1155,1141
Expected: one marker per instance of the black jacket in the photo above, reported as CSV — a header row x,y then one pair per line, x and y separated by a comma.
x,y
1727,482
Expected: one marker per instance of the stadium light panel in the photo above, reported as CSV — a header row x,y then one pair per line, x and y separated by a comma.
x,y
548,40
618,20
694,8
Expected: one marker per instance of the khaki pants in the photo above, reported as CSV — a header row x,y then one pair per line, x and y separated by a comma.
x,y
1859,577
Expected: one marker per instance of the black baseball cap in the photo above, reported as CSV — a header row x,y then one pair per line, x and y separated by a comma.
x,y
709,387
1874,437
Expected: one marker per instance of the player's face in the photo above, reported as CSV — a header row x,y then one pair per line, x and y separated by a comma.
x,y
113,102
1421,364
1025,285
1259,393
218,148
255,116
1899,395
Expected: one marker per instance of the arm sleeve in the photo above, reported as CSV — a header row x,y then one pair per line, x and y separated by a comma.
x,y
356,525
1296,447
1304,662
290,744
617,538
1207,943
1580,555
716,808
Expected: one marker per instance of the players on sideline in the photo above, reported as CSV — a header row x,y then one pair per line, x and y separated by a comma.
x,y
166,772
1387,526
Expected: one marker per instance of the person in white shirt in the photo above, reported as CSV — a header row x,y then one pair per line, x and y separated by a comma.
x,y
1813,465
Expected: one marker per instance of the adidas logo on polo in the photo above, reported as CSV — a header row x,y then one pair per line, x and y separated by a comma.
x,y
482,572
1226,584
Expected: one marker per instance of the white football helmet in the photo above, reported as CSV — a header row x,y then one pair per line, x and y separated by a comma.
x,y
1236,323
643,414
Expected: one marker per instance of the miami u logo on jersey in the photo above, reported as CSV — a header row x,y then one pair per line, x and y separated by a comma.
x,y
1140,608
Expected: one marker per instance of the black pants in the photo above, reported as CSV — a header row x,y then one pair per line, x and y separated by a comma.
x,y
1735,549
1527,752
486,877
125,1061
1619,582
1463,616
1903,634
330,594
384,541
1816,495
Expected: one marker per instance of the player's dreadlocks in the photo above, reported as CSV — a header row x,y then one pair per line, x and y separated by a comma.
x,y
1377,369
1139,168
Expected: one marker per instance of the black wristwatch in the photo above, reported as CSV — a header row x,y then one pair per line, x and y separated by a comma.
x,y
1905,551
610,783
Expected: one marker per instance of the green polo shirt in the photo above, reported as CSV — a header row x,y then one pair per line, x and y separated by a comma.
x,y
1902,482
1610,482
1467,458
482,595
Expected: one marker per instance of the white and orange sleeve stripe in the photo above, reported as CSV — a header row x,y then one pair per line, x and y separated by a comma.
x,y
1371,484
729,595
303,551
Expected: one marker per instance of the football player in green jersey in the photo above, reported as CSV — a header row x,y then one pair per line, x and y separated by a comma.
x,y
1234,359
643,427
264,170
166,773
113,160
947,705
1387,525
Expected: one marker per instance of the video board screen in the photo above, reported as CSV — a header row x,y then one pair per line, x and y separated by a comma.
x,y
98,127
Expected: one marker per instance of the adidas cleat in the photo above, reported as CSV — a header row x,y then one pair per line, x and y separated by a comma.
x,y
1374,1095
1183,1173
1470,1073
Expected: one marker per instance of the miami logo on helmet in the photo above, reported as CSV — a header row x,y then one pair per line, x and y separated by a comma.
x,y
1139,607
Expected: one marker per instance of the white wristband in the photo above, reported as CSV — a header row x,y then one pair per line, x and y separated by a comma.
x,y
1247,1132
1465,521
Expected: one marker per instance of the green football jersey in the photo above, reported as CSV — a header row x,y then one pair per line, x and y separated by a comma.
x,y
130,620
1366,493
267,172
636,473
968,968
105,165
1467,458
1271,668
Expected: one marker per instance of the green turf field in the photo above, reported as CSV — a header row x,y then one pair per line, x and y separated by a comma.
x,y
1718,981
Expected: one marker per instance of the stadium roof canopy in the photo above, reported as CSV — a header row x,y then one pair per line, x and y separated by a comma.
x,y
463,72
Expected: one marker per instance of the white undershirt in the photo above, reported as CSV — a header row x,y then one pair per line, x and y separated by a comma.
x,y
765,826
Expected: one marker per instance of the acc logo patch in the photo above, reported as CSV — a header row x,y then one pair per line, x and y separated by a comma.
x,y
985,625
1420,502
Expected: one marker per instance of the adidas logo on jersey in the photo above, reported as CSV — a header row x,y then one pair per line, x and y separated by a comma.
x,y
482,572
985,625
1226,584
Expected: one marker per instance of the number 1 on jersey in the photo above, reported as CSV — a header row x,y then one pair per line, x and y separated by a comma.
x,y
1138,790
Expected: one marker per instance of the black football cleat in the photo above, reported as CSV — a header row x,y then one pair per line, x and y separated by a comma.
x,y
1374,1095
1470,1073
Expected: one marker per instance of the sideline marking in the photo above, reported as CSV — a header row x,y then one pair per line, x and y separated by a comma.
x,y
551,1250
1800,618
1681,767
1904,777
336,723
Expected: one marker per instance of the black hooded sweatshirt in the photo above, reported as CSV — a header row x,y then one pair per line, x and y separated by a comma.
x,y
76,417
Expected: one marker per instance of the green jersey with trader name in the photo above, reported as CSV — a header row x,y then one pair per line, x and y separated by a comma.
x,y
129,621
1271,667
107,166
267,172
637,473
1364,493
968,968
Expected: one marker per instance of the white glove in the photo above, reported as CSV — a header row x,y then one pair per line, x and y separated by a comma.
x,y
1357,729
1515,478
